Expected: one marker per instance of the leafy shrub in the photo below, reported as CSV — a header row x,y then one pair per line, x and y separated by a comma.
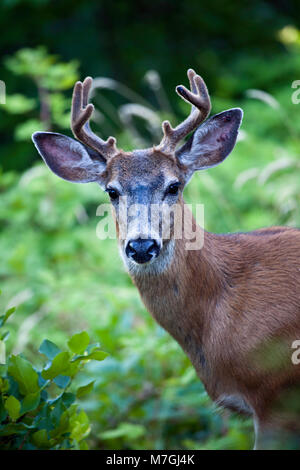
x,y
38,102
37,408
50,77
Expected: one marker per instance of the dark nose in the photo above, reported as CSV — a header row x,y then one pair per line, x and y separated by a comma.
x,y
142,250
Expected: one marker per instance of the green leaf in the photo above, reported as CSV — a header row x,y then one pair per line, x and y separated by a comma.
x,y
132,431
62,381
13,407
19,104
79,342
24,130
43,418
56,413
85,389
8,313
31,402
96,355
59,365
62,428
83,445
68,399
6,316
73,369
49,349
40,439
24,374
79,426
4,336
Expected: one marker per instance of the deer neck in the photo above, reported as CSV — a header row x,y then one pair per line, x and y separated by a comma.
x,y
182,297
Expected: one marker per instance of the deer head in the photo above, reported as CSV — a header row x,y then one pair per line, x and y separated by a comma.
x,y
154,176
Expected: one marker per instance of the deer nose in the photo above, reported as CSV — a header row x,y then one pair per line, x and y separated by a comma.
x,y
142,250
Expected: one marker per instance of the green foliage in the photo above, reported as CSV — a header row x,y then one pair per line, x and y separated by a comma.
x,y
50,78
43,68
253,45
37,410
146,394
46,107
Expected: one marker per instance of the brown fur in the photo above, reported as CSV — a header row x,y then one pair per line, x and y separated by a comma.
x,y
234,307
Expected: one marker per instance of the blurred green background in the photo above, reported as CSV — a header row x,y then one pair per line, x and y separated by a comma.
x,y
61,276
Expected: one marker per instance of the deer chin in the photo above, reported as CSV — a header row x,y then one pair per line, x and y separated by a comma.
x,y
155,266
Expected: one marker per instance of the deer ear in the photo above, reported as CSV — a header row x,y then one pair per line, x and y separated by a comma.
x,y
68,158
212,142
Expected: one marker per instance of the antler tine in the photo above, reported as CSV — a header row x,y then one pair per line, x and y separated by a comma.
x,y
198,97
80,115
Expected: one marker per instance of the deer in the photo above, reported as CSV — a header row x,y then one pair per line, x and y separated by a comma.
x,y
233,304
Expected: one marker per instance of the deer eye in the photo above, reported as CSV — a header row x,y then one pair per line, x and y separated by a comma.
x,y
113,193
173,188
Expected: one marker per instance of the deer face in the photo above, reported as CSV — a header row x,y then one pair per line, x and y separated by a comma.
x,y
142,184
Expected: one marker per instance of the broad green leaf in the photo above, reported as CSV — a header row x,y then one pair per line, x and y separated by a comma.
x,y
24,374
79,426
68,399
79,342
73,369
19,104
31,402
132,431
49,349
96,355
62,381
13,407
59,365
43,419
85,389
73,409
63,426
57,411
40,439
24,130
